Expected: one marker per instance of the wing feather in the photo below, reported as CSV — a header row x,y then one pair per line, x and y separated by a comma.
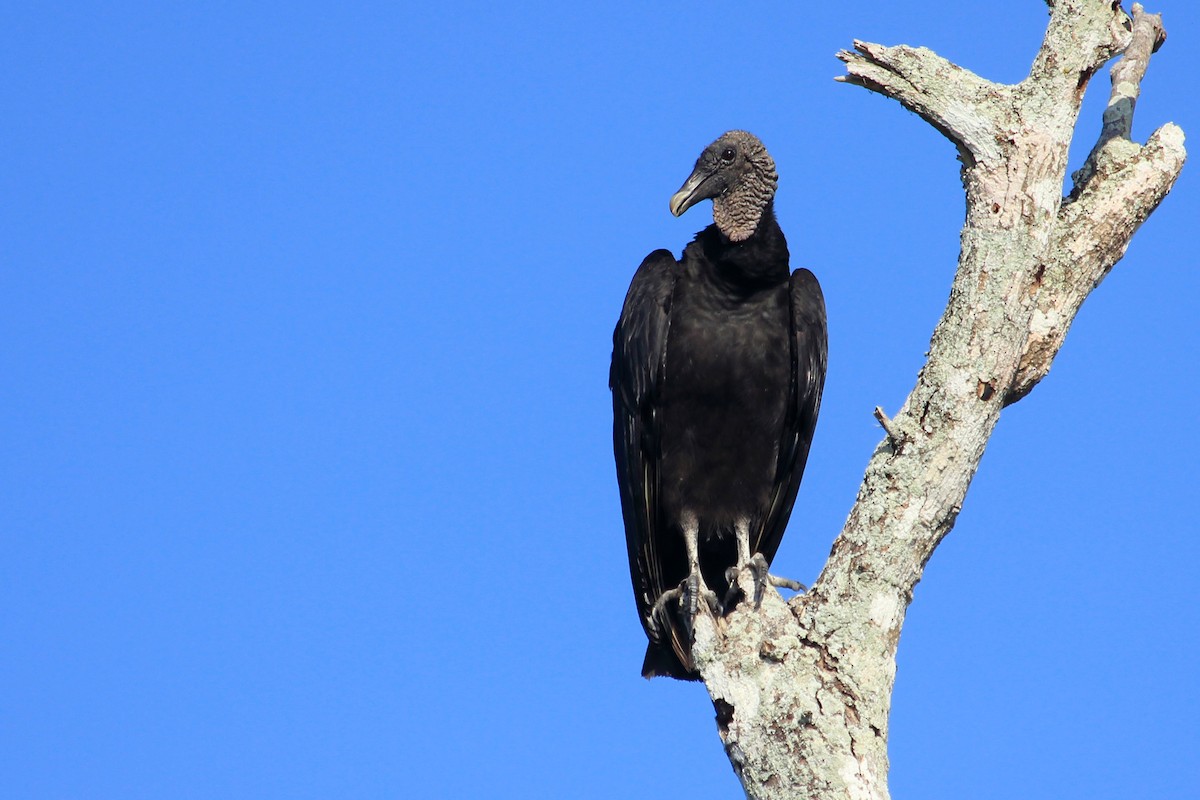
x,y
639,348
809,361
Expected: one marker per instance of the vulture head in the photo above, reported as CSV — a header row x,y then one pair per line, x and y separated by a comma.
x,y
738,175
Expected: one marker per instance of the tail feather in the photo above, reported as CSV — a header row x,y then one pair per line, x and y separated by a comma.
x,y
664,662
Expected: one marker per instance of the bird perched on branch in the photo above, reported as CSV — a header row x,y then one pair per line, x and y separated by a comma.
x,y
717,370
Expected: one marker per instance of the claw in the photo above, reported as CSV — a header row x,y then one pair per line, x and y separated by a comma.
x,y
660,605
786,583
732,592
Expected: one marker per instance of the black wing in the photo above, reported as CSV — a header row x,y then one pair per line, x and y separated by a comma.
x,y
639,346
809,359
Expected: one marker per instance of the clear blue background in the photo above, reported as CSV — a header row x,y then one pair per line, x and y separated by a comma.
x,y
306,487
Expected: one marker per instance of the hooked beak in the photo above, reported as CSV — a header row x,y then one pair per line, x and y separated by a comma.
x,y
699,186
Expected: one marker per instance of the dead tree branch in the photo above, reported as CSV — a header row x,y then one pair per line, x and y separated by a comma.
x,y
803,688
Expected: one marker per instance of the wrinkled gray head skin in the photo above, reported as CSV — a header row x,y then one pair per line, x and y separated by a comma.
x,y
738,175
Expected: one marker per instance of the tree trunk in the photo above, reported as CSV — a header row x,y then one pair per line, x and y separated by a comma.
x,y
802,689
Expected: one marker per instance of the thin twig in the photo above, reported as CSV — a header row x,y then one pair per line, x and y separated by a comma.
x,y
895,438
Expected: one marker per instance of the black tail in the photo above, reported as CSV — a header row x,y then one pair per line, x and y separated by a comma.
x,y
662,662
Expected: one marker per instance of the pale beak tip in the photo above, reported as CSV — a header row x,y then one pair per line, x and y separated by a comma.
x,y
677,203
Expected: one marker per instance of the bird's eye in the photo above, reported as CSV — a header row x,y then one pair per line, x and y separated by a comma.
x,y
728,154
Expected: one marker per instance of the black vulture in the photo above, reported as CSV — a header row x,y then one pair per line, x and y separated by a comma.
x,y
717,370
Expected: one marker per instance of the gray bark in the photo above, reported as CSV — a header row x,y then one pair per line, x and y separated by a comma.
x,y
803,688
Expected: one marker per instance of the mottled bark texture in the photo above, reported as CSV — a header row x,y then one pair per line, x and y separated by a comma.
x,y
802,688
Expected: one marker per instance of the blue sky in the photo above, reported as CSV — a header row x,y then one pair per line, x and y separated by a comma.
x,y
307,483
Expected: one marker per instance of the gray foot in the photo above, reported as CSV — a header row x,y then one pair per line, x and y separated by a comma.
x,y
758,570
694,591
688,594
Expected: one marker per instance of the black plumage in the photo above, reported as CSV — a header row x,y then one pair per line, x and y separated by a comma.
x,y
717,370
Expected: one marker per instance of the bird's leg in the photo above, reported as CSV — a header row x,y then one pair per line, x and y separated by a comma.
x,y
691,590
757,564
694,588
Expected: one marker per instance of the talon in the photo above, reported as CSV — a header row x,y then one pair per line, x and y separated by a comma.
x,y
786,583
714,605
733,591
658,614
